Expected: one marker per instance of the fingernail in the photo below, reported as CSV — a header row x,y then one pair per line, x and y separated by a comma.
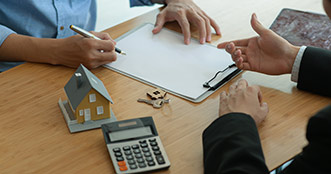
x,y
209,38
228,46
203,40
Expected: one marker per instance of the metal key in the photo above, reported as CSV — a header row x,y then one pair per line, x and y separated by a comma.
x,y
156,103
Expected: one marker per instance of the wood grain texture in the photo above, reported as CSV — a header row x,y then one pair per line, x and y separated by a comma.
x,y
34,137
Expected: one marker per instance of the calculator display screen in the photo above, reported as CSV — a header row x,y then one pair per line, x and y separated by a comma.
x,y
130,133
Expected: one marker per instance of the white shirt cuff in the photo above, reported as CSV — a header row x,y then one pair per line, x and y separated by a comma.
x,y
296,64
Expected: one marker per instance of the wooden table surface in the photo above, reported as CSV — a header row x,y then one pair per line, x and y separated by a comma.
x,y
34,137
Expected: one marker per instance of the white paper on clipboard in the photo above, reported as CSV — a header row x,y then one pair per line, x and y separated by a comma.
x,y
164,61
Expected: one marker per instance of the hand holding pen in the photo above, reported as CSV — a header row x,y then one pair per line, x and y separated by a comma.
x,y
90,35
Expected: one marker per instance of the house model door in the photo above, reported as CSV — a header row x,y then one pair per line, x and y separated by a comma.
x,y
87,114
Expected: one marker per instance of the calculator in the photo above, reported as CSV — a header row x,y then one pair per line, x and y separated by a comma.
x,y
134,146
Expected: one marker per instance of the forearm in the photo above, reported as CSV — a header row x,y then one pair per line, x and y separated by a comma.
x,y
25,48
314,71
231,144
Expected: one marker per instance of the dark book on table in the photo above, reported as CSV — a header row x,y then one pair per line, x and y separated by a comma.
x,y
303,28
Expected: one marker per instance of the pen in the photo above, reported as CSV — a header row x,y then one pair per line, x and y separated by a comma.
x,y
90,35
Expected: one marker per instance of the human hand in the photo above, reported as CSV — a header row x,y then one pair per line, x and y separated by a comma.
x,y
267,53
245,99
186,12
92,53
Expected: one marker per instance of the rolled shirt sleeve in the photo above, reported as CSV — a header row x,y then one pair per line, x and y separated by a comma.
x,y
134,3
4,33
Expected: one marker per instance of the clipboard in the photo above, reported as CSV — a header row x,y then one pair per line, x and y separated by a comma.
x,y
175,63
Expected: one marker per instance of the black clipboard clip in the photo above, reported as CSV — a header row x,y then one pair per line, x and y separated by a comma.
x,y
227,78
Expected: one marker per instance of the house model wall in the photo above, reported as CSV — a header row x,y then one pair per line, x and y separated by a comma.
x,y
87,96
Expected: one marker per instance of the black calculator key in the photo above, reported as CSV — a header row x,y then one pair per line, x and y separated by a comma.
x,y
133,166
152,140
136,150
128,152
135,146
142,145
129,157
160,159
147,154
140,160
149,159
126,148
157,152
145,149
116,149
119,158
118,154
155,148
151,163
138,155
153,143
131,162
142,141
141,165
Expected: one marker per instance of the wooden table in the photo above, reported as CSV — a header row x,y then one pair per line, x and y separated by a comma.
x,y
35,139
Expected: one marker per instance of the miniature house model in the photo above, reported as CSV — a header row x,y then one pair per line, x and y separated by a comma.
x,y
88,104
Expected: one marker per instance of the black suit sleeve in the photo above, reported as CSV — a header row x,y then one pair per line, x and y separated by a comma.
x,y
315,71
231,145
315,157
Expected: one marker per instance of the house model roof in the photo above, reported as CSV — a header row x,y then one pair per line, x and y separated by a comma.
x,y
80,85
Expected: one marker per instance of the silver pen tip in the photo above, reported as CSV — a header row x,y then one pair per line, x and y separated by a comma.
x,y
123,53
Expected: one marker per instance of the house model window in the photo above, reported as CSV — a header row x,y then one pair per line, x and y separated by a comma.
x,y
81,112
92,98
100,110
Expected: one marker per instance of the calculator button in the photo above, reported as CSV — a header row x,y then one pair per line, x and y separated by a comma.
x,y
140,160
147,154
154,148
121,163
138,155
133,166
135,146
145,149
119,158
153,143
157,152
151,163
149,158
116,149
118,154
131,162
160,159
142,145
136,150
142,141
141,165
126,148
123,168
152,140
129,157
128,152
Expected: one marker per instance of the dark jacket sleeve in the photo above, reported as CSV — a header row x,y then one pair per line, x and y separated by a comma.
x,y
315,157
231,145
315,71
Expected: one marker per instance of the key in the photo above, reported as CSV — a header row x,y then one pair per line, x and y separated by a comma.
x,y
156,103
150,102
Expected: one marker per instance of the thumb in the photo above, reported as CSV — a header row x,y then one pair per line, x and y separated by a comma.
x,y
257,26
159,23
265,109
